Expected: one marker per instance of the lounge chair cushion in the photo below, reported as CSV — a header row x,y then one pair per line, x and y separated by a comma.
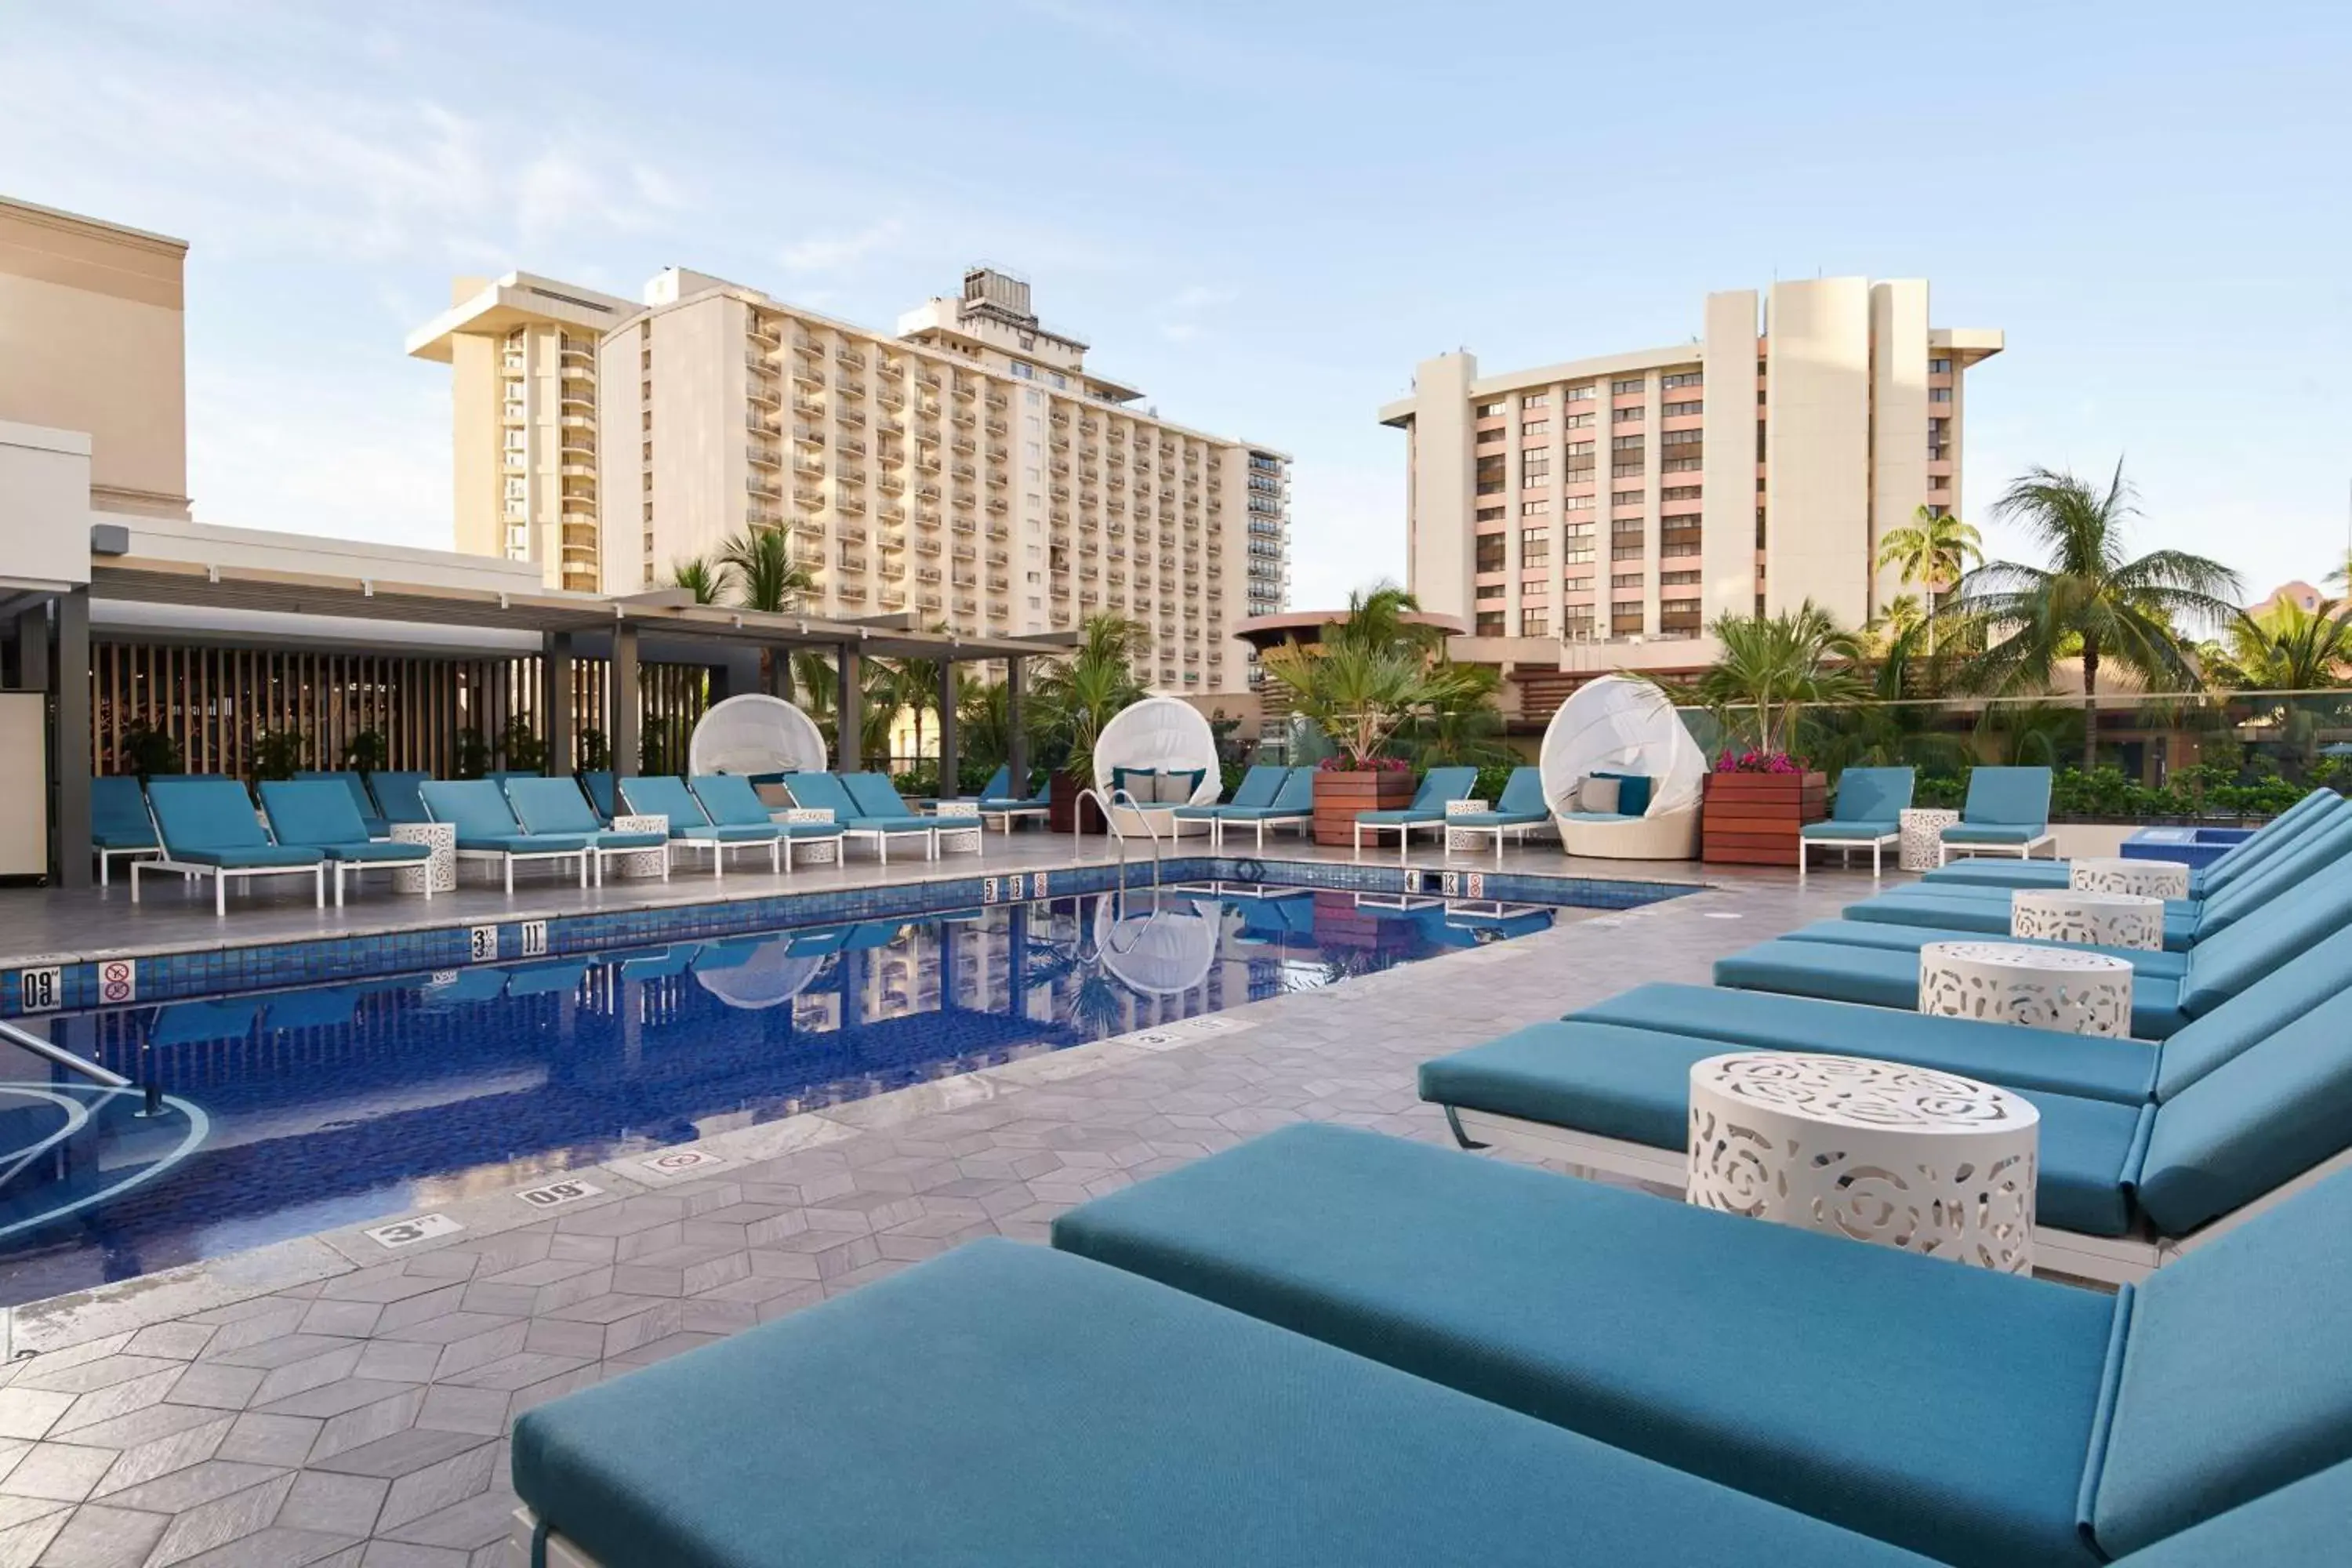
x,y
1954,913
1634,1085
523,843
2234,1377
318,811
2294,921
552,805
1895,938
2301,1523
370,821
2311,978
1872,794
205,814
608,839
733,834
1993,832
1259,786
1881,978
259,855
875,798
1999,874
125,839
1757,1355
1857,829
398,796
1497,818
663,796
2091,1066
1018,1406
118,814
2015,798
376,850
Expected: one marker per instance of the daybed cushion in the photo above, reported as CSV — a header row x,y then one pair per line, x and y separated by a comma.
x,y
1932,1406
2234,1377
1634,1085
1017,1406
1632,791
1881,978
2092,1066
1600,793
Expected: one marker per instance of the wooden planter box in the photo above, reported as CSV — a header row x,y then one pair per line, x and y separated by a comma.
x,y
1062,806
1338,796
1754,819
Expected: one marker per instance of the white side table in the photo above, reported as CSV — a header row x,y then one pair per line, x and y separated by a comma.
x,y
1465,838
643,862
2039,987
1899,1156
2125,874
2094,920
958,826
438,874
1920,846
814,851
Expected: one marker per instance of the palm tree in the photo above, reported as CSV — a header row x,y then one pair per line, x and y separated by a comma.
x,y
1934,552
2090,595
1372,673
1772,667
1078,696
2287,648
760,559
699,577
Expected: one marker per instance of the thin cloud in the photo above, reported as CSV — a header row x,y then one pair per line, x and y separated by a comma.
x,y
832,253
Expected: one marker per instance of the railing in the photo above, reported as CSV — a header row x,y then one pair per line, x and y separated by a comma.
x,y
1109,804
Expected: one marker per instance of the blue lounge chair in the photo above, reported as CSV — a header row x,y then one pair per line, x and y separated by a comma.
x,y
488,830
1972,907
599,784
690,827
1519,811
2145,1151
120,827
1071,1412
2038,1426
2007,812
556,807
825,792
1427,810
878,800
319,813
364,803
2241,857
398,797
208,829
730,803
1293,805
1257,790
1001,806
1868,810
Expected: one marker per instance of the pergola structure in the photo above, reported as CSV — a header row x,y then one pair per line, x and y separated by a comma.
x,y
53,634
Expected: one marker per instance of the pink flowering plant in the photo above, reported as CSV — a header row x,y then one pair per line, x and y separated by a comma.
x,y
1340,764
1732,761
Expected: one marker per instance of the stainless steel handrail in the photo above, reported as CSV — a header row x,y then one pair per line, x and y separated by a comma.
x,y
1106,805
25,1039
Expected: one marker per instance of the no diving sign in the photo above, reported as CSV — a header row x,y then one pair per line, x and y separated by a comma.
x,y
118,980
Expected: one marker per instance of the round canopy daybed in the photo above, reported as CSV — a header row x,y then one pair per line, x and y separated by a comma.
x,y
755,734
1625,730
1162,745
1160,951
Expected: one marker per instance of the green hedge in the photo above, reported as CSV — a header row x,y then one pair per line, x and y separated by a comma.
x,y
2108,794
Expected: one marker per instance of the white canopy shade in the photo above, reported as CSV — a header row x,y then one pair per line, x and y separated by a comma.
x,y
1616,724
1156,952
770,977
756,734
1161,734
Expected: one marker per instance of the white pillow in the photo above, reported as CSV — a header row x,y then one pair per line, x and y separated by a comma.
x,y
1597,795
1176,788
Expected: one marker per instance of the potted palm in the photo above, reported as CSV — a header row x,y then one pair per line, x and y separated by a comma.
x,y
1759,797
1074,700
1368,675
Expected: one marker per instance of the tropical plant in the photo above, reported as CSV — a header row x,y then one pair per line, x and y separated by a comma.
x,y
2286,648
1888,728
1373,673
277,753
699,577
524,752
470,757
766,577
2090,597
1077,696
1932,553
366,752
653,752
595,749
1772,668
1457,724
148,752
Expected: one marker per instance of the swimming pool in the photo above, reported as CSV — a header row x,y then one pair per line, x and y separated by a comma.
x,y
261,1116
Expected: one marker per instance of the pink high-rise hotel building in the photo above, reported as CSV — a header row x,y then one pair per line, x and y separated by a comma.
x,y
1619,504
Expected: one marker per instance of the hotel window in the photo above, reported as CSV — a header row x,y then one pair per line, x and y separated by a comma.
x,y
1626,580
1679,493
1623,552
1535,427
1535,546
1628,415
1573,556
1579,584
1574,532
1939,395
1490,552
1490,623
1676,549
1682,465
1678,579
1535,622
516,490
1577,625
1584,393
1576,503
1490,410
1626,621
1678,410
1487,435
1940,367
1624,498
1534,468
517,440
1536,400
1492,590
1491,514
1490,475
1580,448
1682,378
1535,508
1682,438
1620,388
1579,421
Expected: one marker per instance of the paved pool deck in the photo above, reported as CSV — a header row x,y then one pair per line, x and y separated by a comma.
x,y
331,1401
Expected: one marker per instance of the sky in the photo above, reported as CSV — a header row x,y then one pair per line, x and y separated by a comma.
x,y
1264,214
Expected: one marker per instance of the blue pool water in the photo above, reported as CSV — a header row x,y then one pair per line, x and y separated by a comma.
x,y
268,1115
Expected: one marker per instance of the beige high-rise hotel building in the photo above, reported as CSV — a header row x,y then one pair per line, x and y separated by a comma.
x,y
969,470
1620,503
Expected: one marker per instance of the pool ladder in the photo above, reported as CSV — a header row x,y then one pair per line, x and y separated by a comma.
x,y
1106,802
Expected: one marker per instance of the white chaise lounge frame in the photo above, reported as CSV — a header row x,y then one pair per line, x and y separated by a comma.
x,y
1970,850
1846,846
2110,1259
220,875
